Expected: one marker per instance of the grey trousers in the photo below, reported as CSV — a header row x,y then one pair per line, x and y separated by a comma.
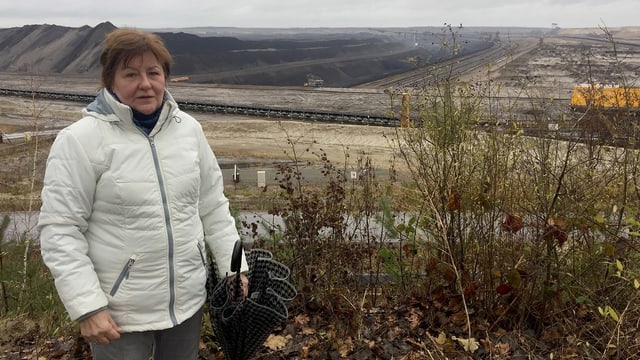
x,y
177,343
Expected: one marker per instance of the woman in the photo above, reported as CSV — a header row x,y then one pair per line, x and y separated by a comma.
x,y
132,192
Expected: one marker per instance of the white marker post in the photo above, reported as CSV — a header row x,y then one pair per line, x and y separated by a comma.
x,y
262,179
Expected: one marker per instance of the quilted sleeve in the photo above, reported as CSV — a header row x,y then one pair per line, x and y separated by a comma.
x,y
67,196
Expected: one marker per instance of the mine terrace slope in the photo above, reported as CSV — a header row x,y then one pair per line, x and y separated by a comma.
x,y
339,57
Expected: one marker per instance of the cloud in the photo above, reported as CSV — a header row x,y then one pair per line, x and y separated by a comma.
x,y
328,13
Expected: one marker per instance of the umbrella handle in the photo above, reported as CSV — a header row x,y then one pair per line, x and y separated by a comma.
x,y
236,265
236,257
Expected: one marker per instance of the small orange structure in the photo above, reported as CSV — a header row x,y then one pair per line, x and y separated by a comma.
x,y
607,97
179,79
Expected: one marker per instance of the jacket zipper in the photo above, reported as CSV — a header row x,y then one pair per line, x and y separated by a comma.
x,y
167,222
124,274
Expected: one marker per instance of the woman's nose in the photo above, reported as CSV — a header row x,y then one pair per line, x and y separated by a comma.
x,y
144,81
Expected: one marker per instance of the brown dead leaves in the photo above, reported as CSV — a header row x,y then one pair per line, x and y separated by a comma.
x,y
403,331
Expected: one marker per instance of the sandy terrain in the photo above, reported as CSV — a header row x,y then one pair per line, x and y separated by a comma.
x,y
270,139
241,137
252,144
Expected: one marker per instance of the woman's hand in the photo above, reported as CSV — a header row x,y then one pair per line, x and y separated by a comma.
x,y
244,282
100,328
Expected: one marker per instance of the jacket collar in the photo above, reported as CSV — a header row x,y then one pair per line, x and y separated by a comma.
x,y
107,108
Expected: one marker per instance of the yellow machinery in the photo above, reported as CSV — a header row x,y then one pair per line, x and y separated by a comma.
x,y
605,97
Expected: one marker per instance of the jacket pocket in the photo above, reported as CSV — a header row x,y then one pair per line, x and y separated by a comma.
x,y
202,257
124,274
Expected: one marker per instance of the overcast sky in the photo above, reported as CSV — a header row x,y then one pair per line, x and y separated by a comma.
x,y
321,13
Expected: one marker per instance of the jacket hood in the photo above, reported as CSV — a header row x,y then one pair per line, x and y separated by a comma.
x,y
100,105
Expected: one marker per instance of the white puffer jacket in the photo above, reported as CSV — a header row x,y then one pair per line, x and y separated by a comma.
x,y
125,216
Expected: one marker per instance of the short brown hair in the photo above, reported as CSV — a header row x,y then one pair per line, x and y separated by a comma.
x,y
122,45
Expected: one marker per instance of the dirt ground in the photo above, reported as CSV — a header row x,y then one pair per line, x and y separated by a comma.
x,y
251,144
232,137
241,137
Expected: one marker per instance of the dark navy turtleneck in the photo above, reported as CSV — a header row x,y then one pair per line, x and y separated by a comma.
x,y
144,121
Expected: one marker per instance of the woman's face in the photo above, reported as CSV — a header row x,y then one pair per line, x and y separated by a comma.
x,y
140,83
